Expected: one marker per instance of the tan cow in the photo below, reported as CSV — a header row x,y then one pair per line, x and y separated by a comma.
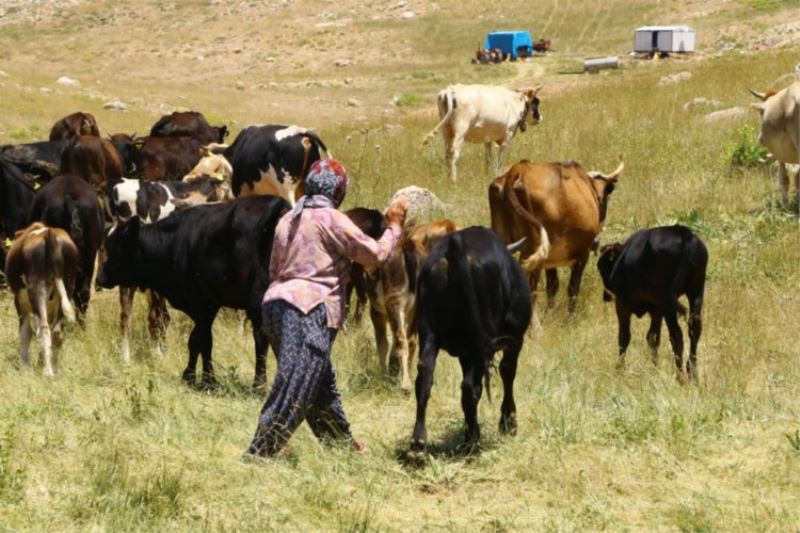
x,y
391,291
41,268
559,208
780,131
483,114
214,165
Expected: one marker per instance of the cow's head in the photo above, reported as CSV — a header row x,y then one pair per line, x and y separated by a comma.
x,y
121,246
608,258
604,185
532,114
124,144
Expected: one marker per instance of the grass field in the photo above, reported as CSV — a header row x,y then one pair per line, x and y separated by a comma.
x,y
110,448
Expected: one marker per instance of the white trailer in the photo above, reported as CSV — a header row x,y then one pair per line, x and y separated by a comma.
x,y
663,39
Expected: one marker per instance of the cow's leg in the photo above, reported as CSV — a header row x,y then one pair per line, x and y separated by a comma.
x,y
797,187
472,366
487,157
455,153
508,409
82,294
551,283
784,179
395,308
43,332
575,276
675,335
654,335
58,340
695,329
533,280
424,382
200,344
157,321
25,338
379,325
501,151
262,345
624,338
126,295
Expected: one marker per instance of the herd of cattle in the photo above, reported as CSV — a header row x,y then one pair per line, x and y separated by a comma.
x,y
191,219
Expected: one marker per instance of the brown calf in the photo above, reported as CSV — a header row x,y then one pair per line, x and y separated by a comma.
x,y
41,268
74,125
392,294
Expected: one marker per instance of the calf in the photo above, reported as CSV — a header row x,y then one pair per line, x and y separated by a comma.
x,y
472,300
648,274
392,290
211,165
41,268
372,223
74,125
70,203
201,259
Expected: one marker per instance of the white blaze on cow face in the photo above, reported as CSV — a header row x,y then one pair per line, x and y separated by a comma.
x,y
127,191
289,131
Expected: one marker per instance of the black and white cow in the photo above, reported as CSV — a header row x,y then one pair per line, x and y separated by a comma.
x,y
648,274
273,160
201,259
472,300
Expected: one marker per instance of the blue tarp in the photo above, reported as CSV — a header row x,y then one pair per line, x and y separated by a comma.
x,y
509,41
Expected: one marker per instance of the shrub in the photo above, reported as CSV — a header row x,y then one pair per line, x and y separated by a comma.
x,y
746,152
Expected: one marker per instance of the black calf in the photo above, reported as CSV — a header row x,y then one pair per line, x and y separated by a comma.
x,y
647,275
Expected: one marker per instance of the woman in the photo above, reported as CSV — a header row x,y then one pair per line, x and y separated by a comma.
x,y
304,307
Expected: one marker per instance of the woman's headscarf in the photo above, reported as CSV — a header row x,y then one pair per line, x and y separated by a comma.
x,y
324,186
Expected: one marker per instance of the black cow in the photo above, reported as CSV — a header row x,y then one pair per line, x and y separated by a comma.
x,y
472,300
272,160
39,158
188,124
648,274
70,203
16,195
201,259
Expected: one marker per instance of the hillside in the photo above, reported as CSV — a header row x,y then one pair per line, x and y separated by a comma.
x,y
106,447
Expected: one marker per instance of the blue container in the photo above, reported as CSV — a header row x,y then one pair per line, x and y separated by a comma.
x,y
510,42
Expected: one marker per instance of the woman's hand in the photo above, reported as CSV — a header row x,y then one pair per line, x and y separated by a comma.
x,y
396,214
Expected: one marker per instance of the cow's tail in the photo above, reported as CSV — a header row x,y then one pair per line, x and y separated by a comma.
x,y
474,323
75,225
532,262
683,268
449,101
54,263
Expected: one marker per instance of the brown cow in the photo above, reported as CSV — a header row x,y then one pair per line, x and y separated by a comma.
x,y
41,268
94,159
559,208
74,125
392,289
165,158
189,124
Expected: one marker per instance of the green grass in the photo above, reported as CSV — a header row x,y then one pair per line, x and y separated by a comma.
x,y
110,448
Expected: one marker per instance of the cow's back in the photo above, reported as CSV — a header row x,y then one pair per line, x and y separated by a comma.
x,y
780,125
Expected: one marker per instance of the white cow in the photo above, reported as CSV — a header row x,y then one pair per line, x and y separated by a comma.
x,y
780,131
483,114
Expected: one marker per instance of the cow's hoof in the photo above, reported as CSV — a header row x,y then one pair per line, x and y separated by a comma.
x,y
683,378
209,382
188,377
508,425
417,453
260,386
406,387
394,365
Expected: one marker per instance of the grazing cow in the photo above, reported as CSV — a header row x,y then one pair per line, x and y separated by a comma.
x,y
472,301
188,124
94,159
16,195
373,223
74,125
648,274
483,114
41,269
201,259
273,160
70,203
41,159
560,209
391,290
780,131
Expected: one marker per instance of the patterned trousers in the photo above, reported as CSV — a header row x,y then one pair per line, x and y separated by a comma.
x,y
305,383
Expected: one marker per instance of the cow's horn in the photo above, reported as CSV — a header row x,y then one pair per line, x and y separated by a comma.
x,y
538,88
618,170
515,246
760,96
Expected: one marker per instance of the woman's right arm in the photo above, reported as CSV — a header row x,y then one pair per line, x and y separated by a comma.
x,y
361,248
